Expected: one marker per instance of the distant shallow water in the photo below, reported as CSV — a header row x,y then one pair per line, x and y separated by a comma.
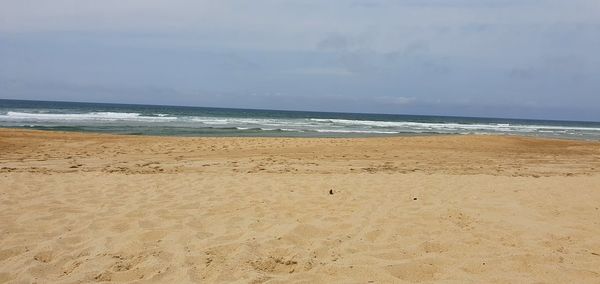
x,y
199,121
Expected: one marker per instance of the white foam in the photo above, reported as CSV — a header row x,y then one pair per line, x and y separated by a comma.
x,y
499,127
355,131
98,116
298,124
245,122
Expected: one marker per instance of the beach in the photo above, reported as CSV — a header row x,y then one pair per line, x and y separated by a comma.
x,y
81,208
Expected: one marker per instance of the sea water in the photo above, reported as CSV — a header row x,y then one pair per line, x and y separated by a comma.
x,y
202,121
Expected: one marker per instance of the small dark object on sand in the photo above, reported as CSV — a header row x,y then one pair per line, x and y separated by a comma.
x,y
331,191
414,198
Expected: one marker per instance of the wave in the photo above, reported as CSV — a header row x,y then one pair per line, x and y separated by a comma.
x,y
355,131
450,126
99,116
250,121
277,124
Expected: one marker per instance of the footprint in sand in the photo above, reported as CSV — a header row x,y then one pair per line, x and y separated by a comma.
x,y
44,256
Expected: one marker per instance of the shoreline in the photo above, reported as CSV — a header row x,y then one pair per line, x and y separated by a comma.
x,y
383,136
83,207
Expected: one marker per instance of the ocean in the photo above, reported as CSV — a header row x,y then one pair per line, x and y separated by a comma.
x,y
204,121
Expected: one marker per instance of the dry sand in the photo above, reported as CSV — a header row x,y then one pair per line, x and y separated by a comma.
x,y
80,208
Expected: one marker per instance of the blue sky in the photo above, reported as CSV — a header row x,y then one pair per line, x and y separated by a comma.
x,y
503,58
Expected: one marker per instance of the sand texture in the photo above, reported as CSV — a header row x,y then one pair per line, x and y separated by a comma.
x,y
84,208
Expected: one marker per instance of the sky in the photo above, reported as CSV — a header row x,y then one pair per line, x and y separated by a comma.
x,y
500,58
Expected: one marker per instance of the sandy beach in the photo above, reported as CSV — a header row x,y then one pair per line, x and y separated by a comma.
x,y
81,208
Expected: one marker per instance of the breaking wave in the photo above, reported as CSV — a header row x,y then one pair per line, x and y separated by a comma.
x,y
257,124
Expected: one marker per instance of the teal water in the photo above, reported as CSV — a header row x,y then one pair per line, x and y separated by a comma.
x,y
201,121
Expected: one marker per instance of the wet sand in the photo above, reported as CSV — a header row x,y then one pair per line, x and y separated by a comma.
x,y
80,208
